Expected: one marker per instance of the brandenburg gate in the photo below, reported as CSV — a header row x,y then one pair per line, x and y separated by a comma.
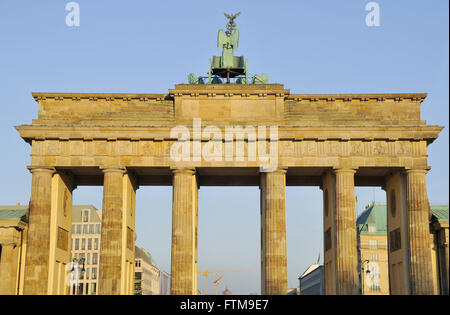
x,y
124,141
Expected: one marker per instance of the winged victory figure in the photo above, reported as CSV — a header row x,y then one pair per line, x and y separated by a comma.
x,y
228,41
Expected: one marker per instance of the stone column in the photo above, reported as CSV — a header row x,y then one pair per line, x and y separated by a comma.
x,y
8,267
329,231
346,245
128,233
273,233
421,276
38,244
109,281
443,254
60,233
184,232
397,232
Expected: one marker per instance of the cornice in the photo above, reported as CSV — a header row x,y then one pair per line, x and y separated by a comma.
x,y
230,91
38,96
396,97
285,133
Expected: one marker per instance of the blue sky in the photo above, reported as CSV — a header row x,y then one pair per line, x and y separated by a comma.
x,y
148,46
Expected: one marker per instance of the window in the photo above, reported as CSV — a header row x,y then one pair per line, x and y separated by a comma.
x,y
91,229
97,229
85,215
93,288
94,258
90,244
395,240
83,244
373,257
80,289
77,243
85,229
88,262
393,203
96,244
94,273
373,244
78,228
325,202
87,288
328,239
87,273
138,276
73,229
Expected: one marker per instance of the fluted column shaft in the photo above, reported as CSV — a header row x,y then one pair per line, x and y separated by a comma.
x,y
346,244
184,233
38,244
111,233
273,233
421,275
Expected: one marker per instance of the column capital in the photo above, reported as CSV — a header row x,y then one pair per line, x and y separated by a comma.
x,y
344,170
417,170
113,169
279,170
183,170
41,169
11,244
10,236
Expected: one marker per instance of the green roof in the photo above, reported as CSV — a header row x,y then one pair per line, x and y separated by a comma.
x,y
373,220
18,212
12,213
376,215
440,213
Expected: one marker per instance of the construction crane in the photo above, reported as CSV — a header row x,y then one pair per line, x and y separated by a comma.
x,y
216,283
207,272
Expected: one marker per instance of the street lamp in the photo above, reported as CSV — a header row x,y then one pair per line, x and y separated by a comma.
x,y
362,274
78,273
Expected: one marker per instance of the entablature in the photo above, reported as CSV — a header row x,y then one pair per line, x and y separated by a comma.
x,y
426,133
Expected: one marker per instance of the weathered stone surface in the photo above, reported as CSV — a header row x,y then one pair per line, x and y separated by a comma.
x,y
421,273
340,244
37,258
329,231
184,232
110,273
373,134
397,228
346,253
273,233
8,268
